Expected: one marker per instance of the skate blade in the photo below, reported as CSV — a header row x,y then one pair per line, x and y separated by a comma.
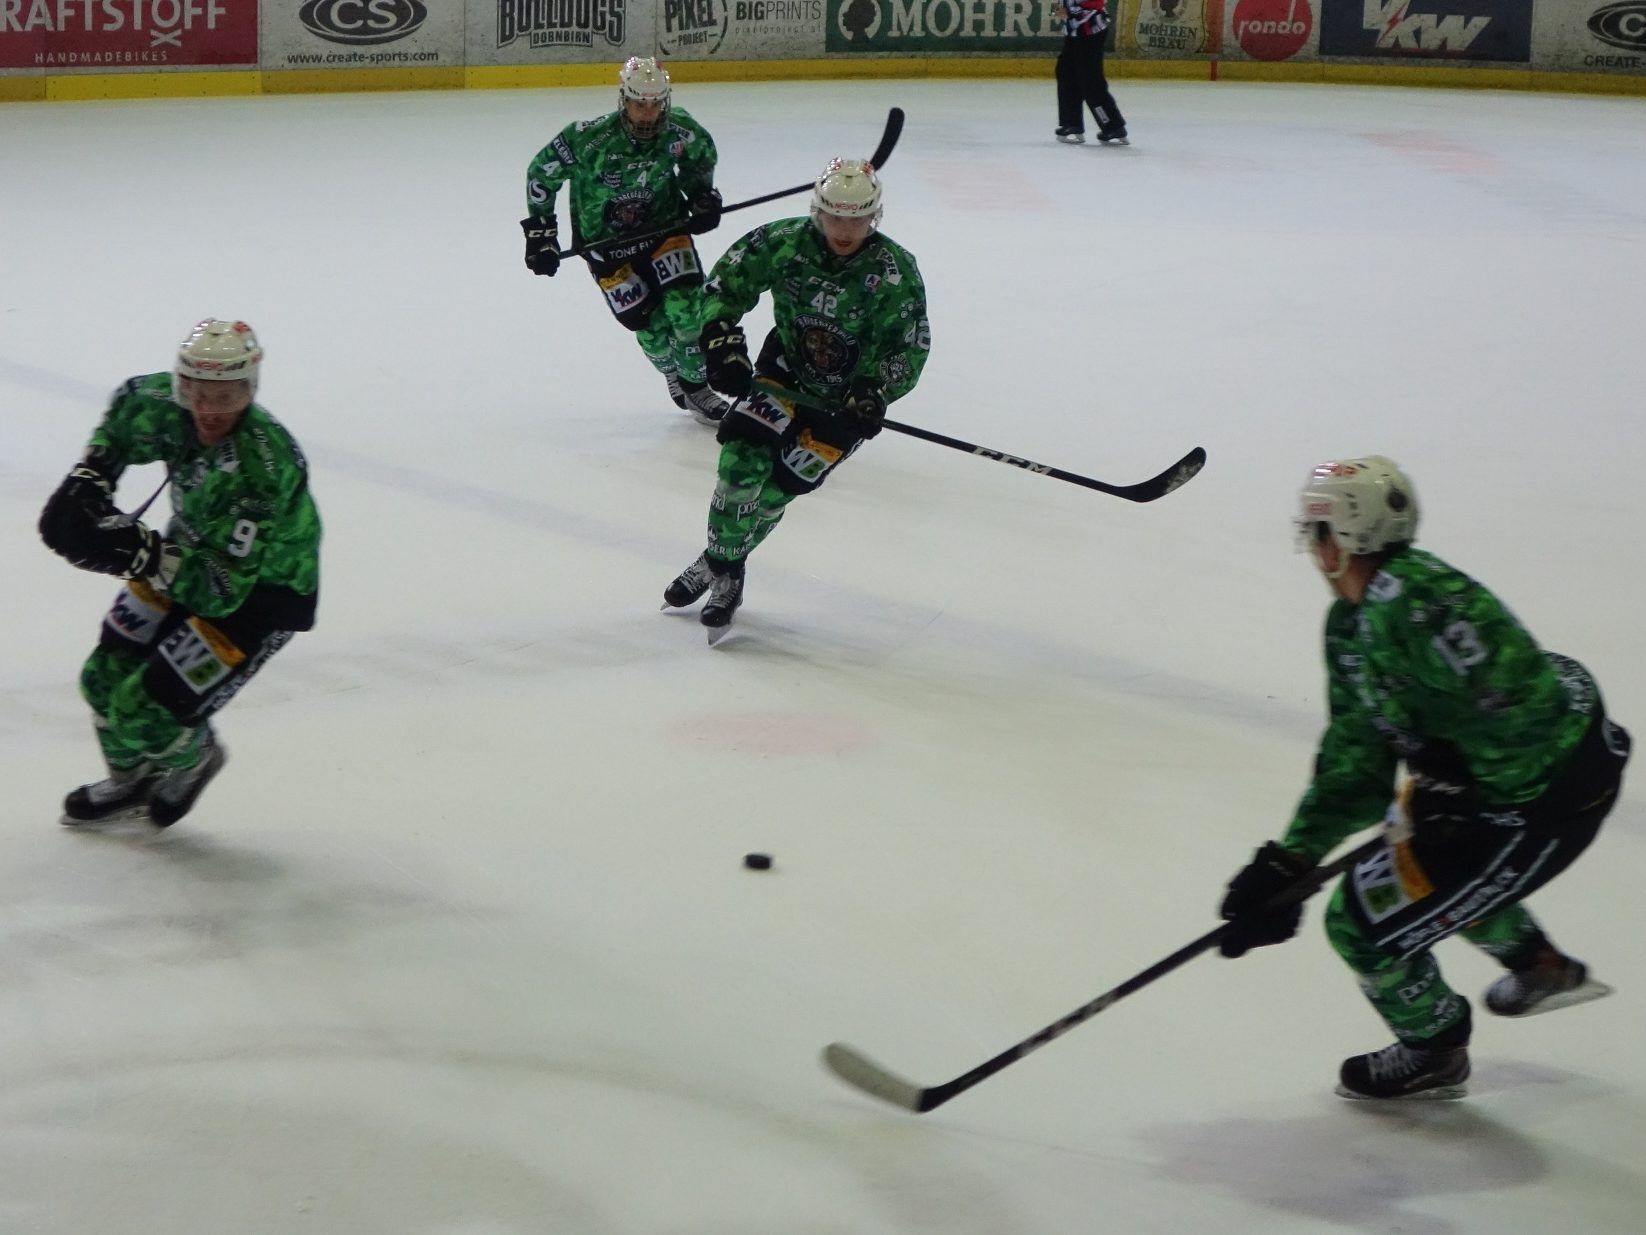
x,y
135,814
717,633
1590,990
1440,1093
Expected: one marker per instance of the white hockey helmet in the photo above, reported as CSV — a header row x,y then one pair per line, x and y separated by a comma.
x,y
1366,505
643,80
847,189
217,351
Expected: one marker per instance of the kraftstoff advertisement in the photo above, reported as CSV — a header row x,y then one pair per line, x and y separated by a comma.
x,y
122,36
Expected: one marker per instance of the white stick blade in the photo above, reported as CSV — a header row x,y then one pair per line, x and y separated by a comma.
x,y
861,1072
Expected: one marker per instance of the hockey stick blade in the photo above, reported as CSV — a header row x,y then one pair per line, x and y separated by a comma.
x,y
888,139
862,1073
1173,478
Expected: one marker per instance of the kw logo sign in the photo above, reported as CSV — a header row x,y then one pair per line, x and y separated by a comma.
x,y
1397,26
1428,29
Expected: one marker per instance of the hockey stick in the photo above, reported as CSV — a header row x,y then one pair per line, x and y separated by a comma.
x,y
1177,475
137,514
882,152
861,1072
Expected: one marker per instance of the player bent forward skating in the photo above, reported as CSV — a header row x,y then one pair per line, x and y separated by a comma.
x,y
206,604
1512,761
850,336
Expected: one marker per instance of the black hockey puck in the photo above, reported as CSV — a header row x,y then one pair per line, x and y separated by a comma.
x,y
758,861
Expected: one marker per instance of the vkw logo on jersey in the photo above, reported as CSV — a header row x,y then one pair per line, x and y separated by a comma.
x,y
559,23
1622,24
693,26
362,22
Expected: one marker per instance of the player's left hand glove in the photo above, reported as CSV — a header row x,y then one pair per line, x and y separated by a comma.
x,y
1252,922
125,547
867,405
703,211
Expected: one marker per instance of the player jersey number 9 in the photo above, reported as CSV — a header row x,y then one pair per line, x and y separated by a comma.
x,y
245,531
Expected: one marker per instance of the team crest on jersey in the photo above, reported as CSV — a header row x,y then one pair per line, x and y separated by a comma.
x,y
828,350
870,282
627,211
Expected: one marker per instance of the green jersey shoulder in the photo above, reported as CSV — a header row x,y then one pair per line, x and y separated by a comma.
x,y
838,318
617,187
1431,668
243,518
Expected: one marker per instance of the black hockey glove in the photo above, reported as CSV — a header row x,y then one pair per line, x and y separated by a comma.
x,y
542,244
69,522
134,550
704,211
1252,924
726,358
867,405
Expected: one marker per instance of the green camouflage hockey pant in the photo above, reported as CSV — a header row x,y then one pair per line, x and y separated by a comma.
x,y
159,674
1391,909
746,504
656,290
669,338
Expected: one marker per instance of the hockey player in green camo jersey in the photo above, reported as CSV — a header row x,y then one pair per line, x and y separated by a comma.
x,y
645,169
850,334
206,604
1511,765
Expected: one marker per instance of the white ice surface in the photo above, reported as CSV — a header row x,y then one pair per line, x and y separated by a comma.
x,y
460,944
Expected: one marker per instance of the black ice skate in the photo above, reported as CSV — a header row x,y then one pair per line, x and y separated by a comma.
x,y
1072,137
725,595
177,791
1406,1072
689,585
677,392
706,407
123,796
1551,982
1117,135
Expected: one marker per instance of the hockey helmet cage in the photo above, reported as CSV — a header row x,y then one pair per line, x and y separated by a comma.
x,y
643,80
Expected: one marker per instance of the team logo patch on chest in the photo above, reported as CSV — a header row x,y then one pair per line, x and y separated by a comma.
x,y
627,211
827,348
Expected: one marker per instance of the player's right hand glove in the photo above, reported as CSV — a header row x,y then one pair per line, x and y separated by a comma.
x,y
542,244
69,522
1252,922
726,358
